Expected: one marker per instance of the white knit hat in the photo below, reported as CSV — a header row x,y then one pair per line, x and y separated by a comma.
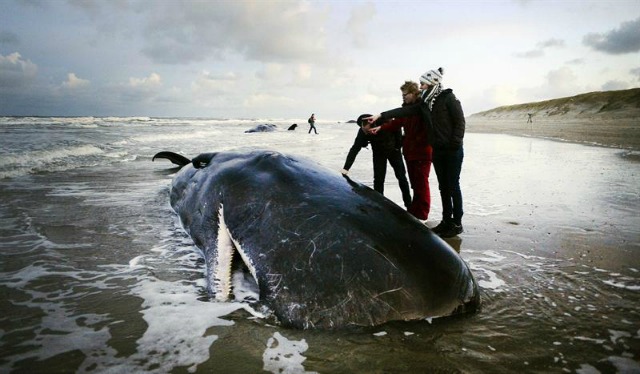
x,y
432,77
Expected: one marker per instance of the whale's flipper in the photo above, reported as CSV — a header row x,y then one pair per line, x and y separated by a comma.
x,y
175,158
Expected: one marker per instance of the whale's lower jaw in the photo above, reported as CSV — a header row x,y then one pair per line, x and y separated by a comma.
x,y
219,268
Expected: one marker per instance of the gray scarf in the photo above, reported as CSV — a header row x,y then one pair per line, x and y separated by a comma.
x,y
429,96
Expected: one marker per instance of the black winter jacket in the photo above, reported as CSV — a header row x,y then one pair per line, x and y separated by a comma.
x,y
385,142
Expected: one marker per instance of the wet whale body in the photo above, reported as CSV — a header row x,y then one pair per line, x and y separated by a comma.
x,y
267,127
325,251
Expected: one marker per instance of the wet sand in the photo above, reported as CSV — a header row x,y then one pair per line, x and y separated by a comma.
x,y
615,132
598,243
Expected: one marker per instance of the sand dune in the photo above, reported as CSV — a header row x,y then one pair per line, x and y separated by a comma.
x,y
609,118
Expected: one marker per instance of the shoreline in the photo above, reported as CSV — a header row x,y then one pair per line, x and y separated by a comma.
x,y
623,134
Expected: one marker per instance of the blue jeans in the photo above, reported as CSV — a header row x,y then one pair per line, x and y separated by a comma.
x,y
448,164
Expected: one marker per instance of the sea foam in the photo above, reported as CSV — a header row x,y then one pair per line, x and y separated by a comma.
x,y
13,165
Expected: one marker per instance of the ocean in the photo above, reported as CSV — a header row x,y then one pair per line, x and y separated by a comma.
x,y
97,275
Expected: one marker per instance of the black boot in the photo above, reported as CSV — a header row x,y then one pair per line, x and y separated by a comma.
x,y
442,226
451,231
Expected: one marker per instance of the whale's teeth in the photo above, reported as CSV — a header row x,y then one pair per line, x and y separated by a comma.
x,y
245,258
221,271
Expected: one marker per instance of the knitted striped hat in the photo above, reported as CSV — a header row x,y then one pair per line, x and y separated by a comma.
x,y
432,77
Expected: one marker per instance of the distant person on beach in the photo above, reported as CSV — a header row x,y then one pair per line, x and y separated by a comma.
x,y
312,122
529,120
416,150
442,114
385,148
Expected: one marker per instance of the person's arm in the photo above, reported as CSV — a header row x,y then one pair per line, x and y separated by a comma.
x,y
393,125
359,143
405,111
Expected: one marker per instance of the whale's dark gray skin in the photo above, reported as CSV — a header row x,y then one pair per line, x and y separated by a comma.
x,y
267,127
325,251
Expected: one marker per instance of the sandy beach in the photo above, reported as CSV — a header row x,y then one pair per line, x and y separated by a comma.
x,y
616,133
100,276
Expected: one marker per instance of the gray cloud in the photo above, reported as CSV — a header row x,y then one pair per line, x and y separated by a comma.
x,y
560,82
97,9
614,86
625,39
540,48
636,73
551,43
531,54
15,71
8,38
184,32
73,82
361,17
259,31
33,3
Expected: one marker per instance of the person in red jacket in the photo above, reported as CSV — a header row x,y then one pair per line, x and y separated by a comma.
x,y
416,149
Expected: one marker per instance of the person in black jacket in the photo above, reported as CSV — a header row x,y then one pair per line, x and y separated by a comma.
x,y
385,147
442,113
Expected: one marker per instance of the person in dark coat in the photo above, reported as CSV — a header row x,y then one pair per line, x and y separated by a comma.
x,y
385,148
442,114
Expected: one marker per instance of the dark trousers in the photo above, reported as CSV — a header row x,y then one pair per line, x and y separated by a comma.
x,y
448,164
380,170
312,128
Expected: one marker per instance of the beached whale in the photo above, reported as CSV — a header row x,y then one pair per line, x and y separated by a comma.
x,y
325,251
267,127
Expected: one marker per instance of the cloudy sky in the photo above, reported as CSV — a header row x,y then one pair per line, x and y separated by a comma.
x,y
286,59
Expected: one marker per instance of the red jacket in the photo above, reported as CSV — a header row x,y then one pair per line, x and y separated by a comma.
x,y
415,144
